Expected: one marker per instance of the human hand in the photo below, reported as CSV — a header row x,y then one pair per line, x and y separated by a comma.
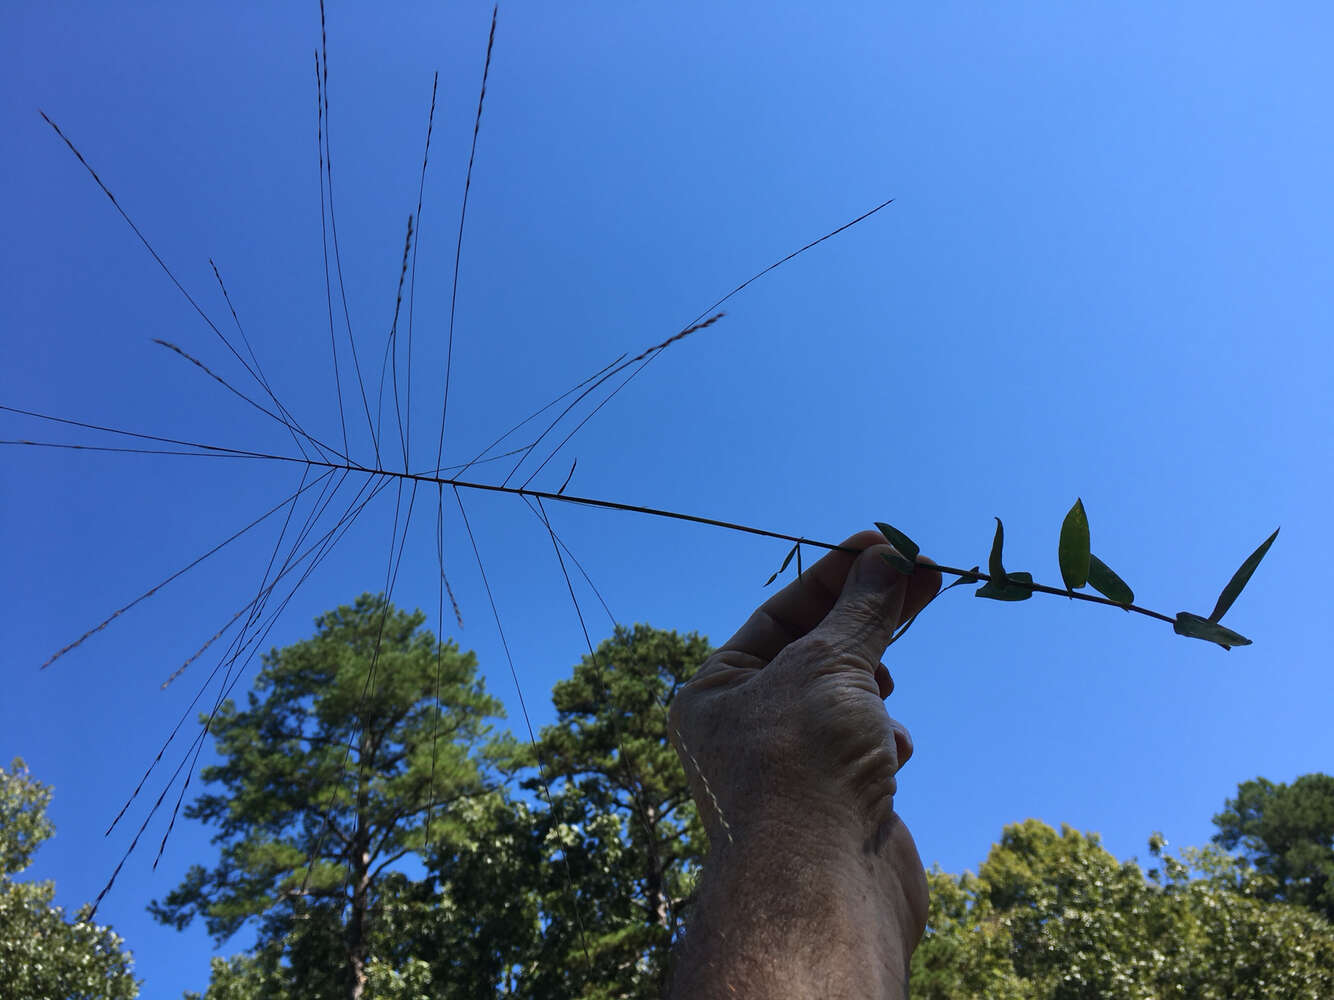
x,y
791,755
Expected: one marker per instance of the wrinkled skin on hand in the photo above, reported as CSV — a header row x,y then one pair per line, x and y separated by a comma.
x,y
784,734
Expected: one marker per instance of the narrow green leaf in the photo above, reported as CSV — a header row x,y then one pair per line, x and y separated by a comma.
x,y
1196,627
1016,587
1073,550
994,565
784,566
1107,583
969,577
1003,586
899,540
1240,578
960,581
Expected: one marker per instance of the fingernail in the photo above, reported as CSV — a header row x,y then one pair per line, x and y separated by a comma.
x,y
875,573
900,562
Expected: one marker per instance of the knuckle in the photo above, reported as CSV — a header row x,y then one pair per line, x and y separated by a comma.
x,y
820,649
816,647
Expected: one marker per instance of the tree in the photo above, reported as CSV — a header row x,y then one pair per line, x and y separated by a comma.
x,y
357,747
1056,917
1287,832
579,895
479,916
44,956
967,948
260,975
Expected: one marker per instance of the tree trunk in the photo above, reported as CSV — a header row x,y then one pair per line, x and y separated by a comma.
x,y
655,893
356,929
359,856
655,898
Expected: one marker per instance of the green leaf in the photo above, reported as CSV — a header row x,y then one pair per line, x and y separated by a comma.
x,y
1240,578
994,565
1196,627
1017,587
1073,550
784,566
969,577
1004,586
1107,583
899,540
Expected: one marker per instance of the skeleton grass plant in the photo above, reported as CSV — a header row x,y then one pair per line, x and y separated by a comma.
x,y
370,454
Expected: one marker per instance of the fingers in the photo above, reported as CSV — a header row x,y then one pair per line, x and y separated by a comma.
x,y
922,588
876,599
868,609
801,605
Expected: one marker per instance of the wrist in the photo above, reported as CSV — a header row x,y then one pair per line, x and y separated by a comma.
x,y
799,913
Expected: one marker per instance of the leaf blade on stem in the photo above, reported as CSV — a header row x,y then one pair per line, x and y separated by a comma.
x,y
1107,583
1240,578
1073,548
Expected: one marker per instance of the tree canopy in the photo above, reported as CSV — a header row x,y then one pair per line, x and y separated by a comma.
x,y
1054,916
356,749
577,894
43,955
573,881
1287,832
621,816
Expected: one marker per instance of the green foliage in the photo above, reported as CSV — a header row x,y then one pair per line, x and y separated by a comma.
x,y
967,950
1287,832
473,924
23,821
43,955
1240,578
1107,583
579,898
1202,628
1073,548
622,820
1197,627
994,564
254,976
1056,917
1004,586
355,747
1080,568
905,545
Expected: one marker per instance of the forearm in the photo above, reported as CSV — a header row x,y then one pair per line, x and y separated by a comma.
x,y
801,922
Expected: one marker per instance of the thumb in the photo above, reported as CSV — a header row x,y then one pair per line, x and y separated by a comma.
x,y
868,610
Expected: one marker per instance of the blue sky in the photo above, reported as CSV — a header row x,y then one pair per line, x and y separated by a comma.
x,y
1105,274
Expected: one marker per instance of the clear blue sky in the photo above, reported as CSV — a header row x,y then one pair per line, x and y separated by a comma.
x,y
1106,274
